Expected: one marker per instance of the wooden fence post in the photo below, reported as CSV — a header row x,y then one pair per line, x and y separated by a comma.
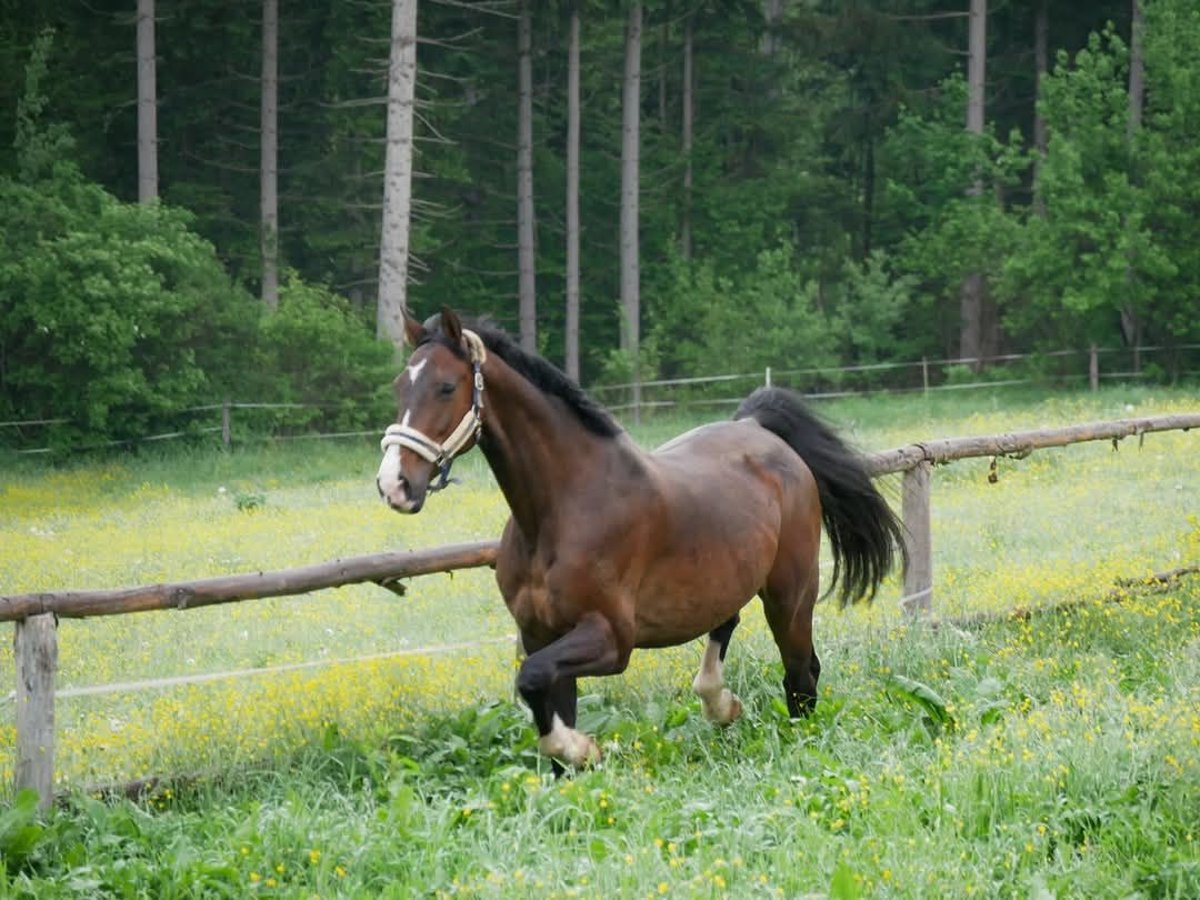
x,y
918,574
35,646
225,429
1094,369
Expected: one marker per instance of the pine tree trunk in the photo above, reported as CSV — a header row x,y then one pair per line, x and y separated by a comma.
x,y
397,180
269,164
664,43
868,203
526,281
971,294
772,11
630,151
1137,70
1131,322
1041,66
689,112
147,105
572,338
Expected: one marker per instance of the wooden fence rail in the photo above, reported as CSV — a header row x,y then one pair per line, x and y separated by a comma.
x,y
380,568
35,614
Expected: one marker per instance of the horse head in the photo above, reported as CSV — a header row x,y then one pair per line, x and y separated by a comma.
x,y
439,400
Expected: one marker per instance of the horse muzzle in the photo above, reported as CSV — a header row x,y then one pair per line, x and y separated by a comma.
x,y
400,497
398,491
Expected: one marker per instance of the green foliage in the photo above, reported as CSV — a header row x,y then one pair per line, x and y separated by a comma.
x,y
1077,264
712,324
317,351
115,316
950,187
118,317
923,697
1114,242
1168,170
831,200
20,831
39,144
869,309
248,501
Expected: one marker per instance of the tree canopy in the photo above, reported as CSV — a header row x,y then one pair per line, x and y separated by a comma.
x,y
825,187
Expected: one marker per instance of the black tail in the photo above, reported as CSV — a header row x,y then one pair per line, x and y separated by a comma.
x,y
863,531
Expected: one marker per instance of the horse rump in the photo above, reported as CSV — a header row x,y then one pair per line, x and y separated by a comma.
x,y
864,533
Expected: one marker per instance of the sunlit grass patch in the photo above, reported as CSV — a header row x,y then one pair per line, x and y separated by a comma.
x,y
252,720
1059,526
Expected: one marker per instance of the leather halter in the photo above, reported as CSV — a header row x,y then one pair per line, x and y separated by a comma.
x,y
443,454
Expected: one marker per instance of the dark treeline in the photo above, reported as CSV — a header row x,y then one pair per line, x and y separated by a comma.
x,y
829,203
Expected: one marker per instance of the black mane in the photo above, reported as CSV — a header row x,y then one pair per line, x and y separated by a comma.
x,y
543,375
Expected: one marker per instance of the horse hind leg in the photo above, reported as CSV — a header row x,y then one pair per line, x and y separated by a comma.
x,y
721,705
789,609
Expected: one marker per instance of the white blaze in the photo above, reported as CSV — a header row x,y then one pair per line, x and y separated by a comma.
x,y
388,477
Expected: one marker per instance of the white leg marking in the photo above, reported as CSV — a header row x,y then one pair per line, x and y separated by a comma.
x,y
720,704
568,744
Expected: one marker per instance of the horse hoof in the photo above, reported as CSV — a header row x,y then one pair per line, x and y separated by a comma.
x,y
572,747
582,751
731,709
735,709
591,753
725,710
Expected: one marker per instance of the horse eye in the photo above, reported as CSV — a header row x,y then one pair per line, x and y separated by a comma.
x,y
446,388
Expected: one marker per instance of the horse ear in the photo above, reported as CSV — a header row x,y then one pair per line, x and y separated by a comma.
x,y
451,326
414,331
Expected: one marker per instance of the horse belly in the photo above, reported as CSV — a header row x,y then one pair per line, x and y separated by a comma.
x,y
719,540
688,594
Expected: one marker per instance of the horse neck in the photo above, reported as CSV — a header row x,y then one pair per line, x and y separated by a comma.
x,y
536,447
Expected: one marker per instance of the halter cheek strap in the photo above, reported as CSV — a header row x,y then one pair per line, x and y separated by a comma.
x,y
442,454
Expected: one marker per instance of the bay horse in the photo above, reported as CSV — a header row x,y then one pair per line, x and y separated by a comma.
x,y
610,547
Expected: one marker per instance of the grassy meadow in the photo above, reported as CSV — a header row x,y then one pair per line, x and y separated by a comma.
x,y
1056,754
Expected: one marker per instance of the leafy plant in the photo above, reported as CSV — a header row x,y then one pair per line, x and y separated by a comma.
x,y
20,830
317,351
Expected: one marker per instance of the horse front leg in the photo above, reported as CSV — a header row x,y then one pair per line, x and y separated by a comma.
x,y
721,705
546,681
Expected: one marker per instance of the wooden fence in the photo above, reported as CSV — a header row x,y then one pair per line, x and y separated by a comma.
x,y
821,382
35,615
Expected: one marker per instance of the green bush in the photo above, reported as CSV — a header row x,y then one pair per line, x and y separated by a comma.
x,y
113,316
315,350
118,319
708,324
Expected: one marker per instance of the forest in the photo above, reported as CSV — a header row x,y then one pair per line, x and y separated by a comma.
x,y
670,188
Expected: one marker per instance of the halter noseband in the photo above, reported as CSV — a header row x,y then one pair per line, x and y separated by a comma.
x,y
442,455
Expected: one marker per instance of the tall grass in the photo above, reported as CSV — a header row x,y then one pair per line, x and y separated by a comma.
x,y
1057,754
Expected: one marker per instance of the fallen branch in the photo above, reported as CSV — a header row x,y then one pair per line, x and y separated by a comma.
x,y
1114,595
